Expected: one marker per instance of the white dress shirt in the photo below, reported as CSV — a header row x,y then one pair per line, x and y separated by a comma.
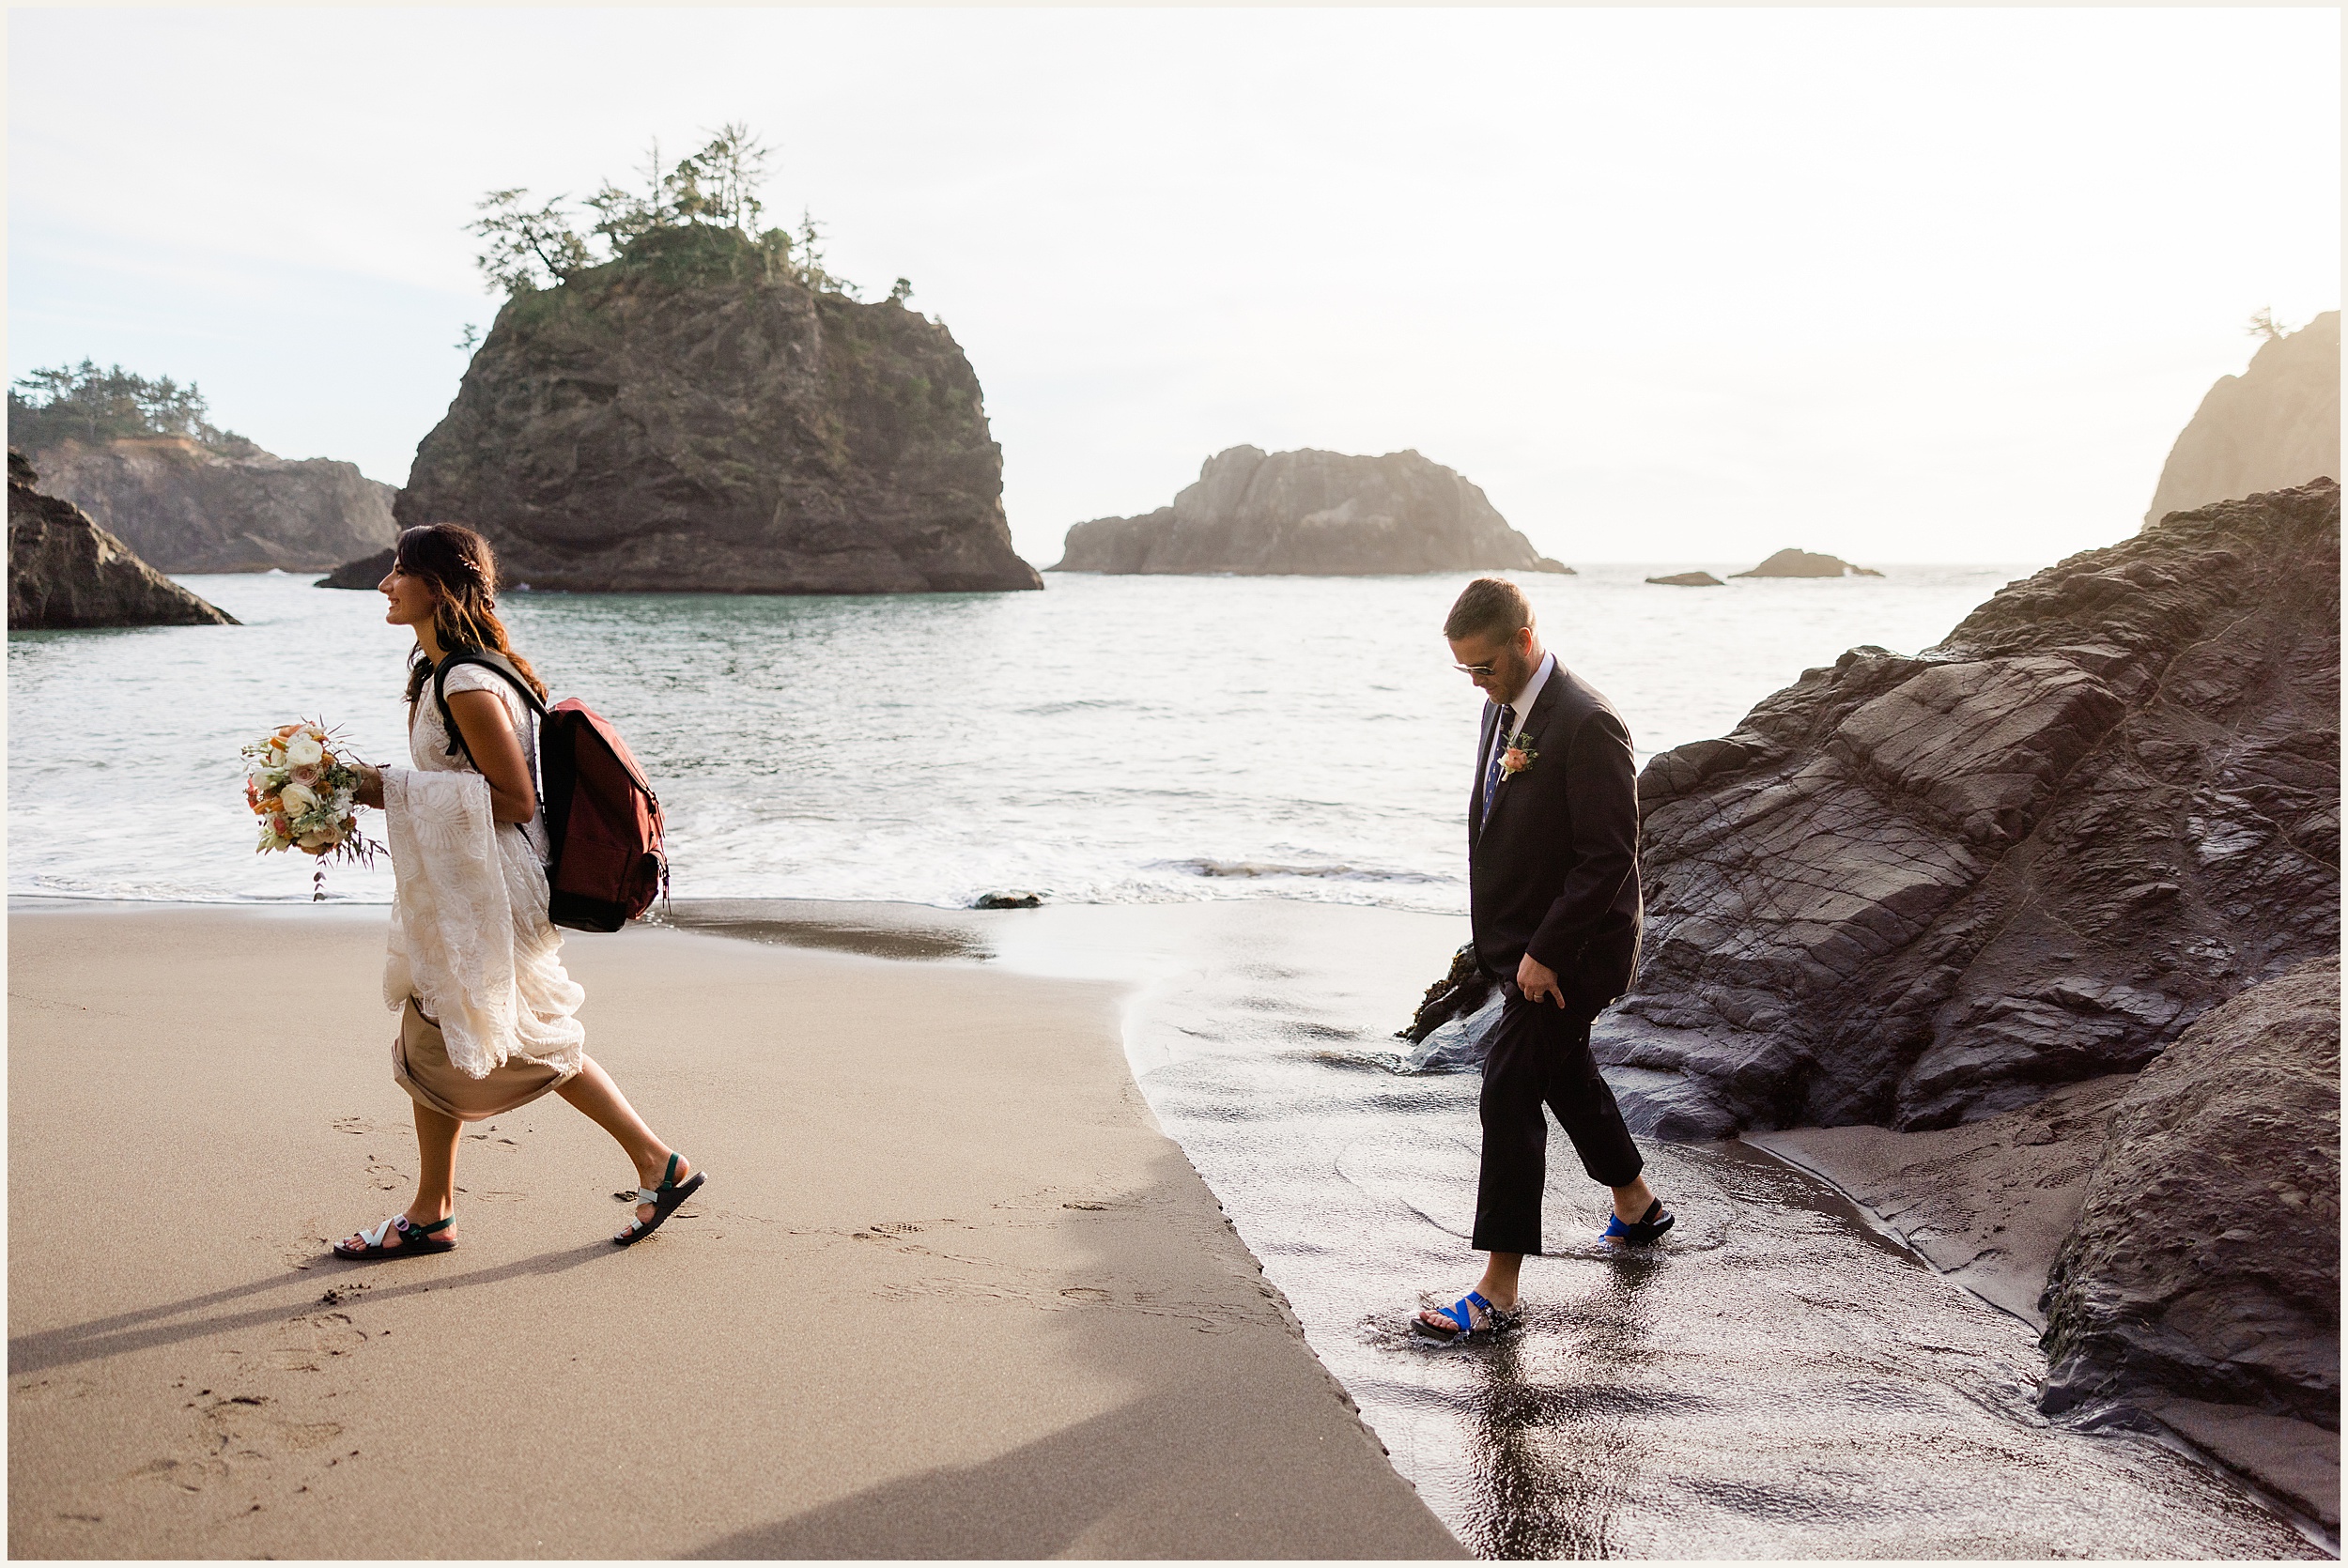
x,y
1523,704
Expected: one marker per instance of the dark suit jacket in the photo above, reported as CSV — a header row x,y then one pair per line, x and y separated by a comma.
x,y
1554,869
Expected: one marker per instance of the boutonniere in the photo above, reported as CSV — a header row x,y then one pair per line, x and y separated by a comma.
x,y
1517,754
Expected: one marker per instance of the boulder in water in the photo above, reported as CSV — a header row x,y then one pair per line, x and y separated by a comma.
x,y
365,571
64,571
1806,563
691,417
1318,513
1918,891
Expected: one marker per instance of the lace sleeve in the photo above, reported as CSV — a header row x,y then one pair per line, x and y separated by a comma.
x,y
472,677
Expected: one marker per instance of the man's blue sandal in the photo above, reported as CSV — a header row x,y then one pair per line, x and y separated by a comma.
x,y
1650,1227
1495,1321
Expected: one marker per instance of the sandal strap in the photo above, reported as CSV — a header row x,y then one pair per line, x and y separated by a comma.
x,y
668,1178
646,1194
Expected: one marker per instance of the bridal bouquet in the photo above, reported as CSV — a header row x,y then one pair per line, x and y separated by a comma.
x,y
305,793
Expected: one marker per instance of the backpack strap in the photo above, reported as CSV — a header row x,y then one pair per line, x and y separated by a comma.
x,y
495,665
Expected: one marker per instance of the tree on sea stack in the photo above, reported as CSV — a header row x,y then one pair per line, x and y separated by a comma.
x,y
668,401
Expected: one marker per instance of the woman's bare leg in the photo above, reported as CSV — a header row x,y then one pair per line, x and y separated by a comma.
x,y
436,1174
591,1092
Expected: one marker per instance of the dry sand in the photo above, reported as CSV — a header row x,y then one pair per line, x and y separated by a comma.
x,y
949,1292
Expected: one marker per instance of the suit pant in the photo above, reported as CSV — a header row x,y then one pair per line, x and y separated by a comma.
x,y
1539,1055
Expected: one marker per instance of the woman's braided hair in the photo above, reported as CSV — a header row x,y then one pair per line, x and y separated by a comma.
x,y
463,572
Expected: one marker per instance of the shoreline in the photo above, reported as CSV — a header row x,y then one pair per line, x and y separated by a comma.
x,y
908,1316
1148,968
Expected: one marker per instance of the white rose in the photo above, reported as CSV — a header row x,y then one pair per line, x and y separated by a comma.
x,y
299,801
303,751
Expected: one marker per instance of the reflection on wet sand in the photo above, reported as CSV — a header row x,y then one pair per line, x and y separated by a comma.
x,y
1560,1449
881,930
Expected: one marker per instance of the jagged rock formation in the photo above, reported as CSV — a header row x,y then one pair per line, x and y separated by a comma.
x,y
184,507
2274,426
365,571
689,417
1319,513
1689,579
1806,563
1915,891
65,571
2206,1260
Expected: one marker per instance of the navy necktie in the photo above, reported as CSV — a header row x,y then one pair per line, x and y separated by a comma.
x,y
1500,749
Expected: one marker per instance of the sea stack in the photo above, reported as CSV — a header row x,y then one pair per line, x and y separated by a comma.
x,y
64,571
187,507
1313,513
2274,426
690,417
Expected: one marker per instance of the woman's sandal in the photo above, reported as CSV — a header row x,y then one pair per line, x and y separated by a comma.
x,y
1645,1229
412,1239
1497,1322
665,1200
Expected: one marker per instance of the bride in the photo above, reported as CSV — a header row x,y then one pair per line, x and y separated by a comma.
x,y
486,1020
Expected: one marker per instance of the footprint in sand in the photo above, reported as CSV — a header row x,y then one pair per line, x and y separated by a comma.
x,y
313,1343
40,1394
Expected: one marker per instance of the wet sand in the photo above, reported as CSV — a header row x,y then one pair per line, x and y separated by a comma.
x,y
1990,1203
949,1291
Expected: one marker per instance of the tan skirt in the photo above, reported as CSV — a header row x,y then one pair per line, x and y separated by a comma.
x,y
419,1065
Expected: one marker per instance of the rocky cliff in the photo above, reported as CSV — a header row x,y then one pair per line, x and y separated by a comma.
x,y
64,571
186,508
2274,426
688,417
1918,891
1318,513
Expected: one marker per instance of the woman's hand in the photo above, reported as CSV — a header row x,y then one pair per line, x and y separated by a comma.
x,y
497,751
370,791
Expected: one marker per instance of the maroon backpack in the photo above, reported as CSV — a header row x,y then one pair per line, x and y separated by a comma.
x,y
604,862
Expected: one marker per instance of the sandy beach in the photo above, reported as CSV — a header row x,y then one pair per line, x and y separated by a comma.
x,y
949,1292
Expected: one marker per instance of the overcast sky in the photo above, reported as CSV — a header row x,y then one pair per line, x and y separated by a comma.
x,y
1681,286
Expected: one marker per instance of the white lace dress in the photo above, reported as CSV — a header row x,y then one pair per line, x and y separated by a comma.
x,y
470,938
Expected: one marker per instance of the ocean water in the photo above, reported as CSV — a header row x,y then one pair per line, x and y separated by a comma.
x,y
1110,740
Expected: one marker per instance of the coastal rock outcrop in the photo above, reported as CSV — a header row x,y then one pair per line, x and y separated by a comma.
x,y
2205,1264
1918,891
1688,579
64,571
185,507
691,417
365,571
1315,514
2275,426
1806,563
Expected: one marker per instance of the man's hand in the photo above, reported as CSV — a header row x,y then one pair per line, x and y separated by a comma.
x,y
1536,979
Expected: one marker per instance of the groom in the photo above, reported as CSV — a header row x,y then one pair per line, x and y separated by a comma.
x,y
1554,902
